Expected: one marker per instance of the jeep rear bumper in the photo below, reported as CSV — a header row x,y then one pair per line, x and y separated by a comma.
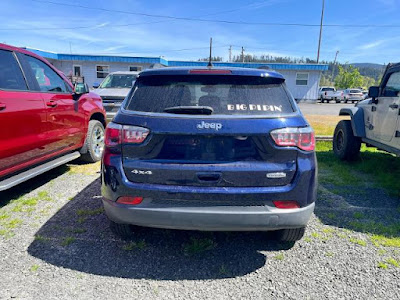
x,y
232,218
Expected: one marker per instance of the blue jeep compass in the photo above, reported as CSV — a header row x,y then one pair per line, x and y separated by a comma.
x,y
224,149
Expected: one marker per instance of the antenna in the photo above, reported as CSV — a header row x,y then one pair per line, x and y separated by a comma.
x,y
210,60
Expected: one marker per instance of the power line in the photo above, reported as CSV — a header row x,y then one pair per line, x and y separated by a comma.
x,y
169,17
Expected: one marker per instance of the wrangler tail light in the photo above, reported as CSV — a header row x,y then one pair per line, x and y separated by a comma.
x,y
117,134
302,138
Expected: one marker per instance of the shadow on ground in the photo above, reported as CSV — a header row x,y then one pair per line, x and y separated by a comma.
x,y
78,238
30,185
362,195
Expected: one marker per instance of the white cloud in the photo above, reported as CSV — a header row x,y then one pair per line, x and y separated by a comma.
x,y
372,45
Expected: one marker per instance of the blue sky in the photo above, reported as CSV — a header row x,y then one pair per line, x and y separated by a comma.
x,y
106,32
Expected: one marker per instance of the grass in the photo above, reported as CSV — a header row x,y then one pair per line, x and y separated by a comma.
x,y
393,262
89,212
357,215
34,268
68,241
84,169
134,246
76,230
382,265
358,241
223,270
41,238
279,256
370,170
379,240
198,246
324,125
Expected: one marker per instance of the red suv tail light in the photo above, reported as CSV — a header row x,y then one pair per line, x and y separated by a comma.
x,y
302,138
117,134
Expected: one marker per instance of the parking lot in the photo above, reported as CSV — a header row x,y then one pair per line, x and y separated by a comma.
x,y
55,243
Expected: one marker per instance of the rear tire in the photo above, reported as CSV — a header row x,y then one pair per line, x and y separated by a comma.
x,y
346,146
290,235
123,231
94,142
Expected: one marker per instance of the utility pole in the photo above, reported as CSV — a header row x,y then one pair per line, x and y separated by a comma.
x,y
320,30
242,55
334,64
210,59
230,53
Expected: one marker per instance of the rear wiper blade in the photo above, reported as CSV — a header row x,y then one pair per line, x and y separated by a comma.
x,y
190,110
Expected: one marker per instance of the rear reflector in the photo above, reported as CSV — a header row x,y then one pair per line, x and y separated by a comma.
x,y
302,138
210,71
286,204
130,200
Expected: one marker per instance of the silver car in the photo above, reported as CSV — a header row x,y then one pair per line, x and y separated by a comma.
x,y
113,90
353,95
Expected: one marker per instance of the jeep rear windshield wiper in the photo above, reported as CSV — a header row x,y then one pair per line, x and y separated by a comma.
x,y
190,110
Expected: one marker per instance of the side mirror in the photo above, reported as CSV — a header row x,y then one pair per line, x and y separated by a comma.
x,y
96,85
80,89
374,92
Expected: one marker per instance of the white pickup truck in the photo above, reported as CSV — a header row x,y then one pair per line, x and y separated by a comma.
x,y
329,93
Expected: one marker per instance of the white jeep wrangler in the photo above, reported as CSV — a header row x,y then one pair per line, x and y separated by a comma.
x,y
374,121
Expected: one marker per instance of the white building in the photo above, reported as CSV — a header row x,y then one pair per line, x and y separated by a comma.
x,y
301,79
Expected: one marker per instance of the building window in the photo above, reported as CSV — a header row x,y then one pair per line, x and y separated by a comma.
x,y
77,71
102,71
135,68
302,79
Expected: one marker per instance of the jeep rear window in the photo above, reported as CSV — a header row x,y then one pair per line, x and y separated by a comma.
x,y
226,95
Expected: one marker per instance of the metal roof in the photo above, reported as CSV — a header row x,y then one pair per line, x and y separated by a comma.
x,y
175,63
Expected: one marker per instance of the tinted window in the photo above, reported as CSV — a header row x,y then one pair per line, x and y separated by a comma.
x,y
393,85
48,80
228,95
11,77
118,81
327,89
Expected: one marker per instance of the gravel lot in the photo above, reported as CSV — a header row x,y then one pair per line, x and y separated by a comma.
x,y
55,244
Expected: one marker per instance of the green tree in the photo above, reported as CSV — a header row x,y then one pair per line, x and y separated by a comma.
x,y
368,81
326,80
350,78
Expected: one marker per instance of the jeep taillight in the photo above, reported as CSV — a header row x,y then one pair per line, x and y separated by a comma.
x,y
302,138
118,134
134,134
113,135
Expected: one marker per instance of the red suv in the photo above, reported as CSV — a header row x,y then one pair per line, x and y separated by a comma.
x,y
44,120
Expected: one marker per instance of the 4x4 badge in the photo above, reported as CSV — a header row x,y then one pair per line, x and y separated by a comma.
x,y
142,172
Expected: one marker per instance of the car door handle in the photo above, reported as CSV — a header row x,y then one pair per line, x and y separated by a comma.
x,y
394,106
51,104
209,177
2,106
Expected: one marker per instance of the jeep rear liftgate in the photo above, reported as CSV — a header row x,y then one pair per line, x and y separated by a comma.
x,y
206,160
